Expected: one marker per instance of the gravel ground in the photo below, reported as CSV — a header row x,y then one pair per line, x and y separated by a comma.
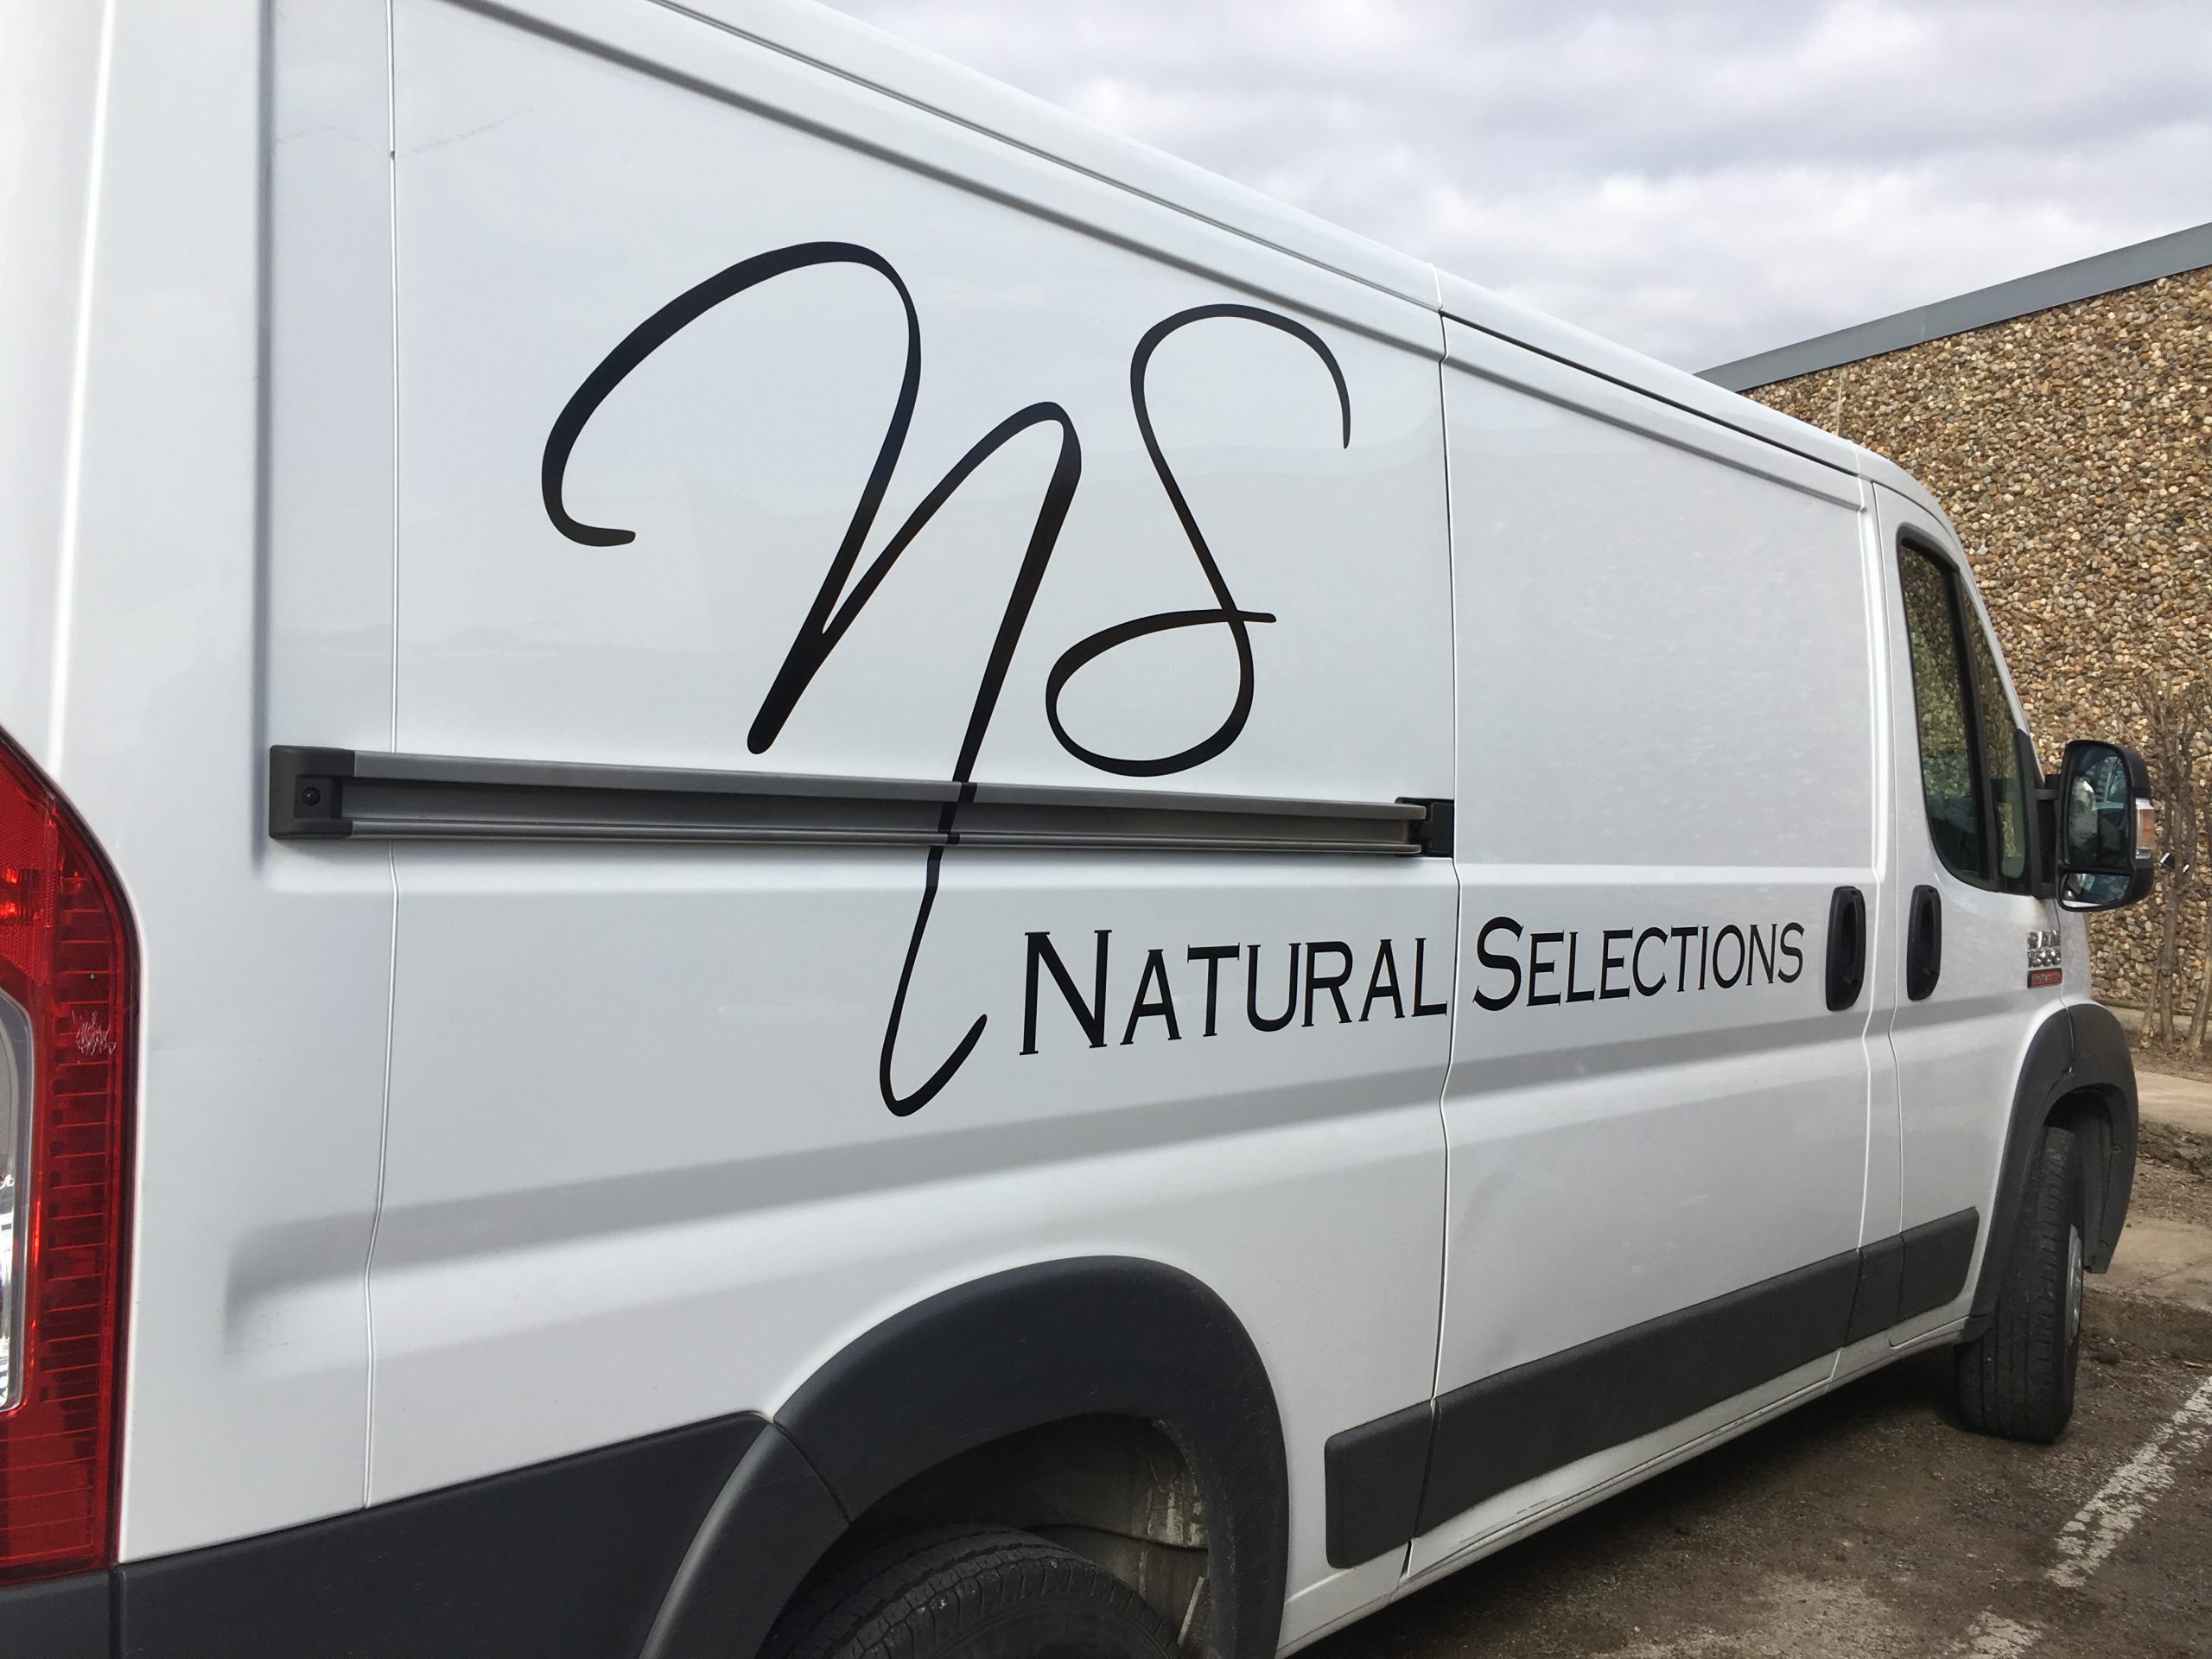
x,y
1867,1523
2170,1194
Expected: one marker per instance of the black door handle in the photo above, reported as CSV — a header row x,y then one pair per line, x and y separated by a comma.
x,y
1923,945
1847,947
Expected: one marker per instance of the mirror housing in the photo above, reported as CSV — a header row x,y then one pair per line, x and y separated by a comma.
x,y
2106,829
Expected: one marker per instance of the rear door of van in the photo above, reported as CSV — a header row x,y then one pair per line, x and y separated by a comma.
x,y
752,423
1657,1107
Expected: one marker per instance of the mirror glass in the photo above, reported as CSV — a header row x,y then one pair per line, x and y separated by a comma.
x,y
2094,892
2099,809
2097,833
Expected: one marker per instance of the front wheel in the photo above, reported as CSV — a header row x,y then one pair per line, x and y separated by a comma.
x,y
971,1594
2016,1379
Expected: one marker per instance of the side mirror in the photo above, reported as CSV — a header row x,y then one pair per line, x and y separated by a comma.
x,y
2107,829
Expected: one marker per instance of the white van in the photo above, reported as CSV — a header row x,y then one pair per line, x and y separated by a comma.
x,y
793,864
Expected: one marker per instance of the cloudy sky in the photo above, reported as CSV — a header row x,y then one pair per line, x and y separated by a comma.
x,y
1701,181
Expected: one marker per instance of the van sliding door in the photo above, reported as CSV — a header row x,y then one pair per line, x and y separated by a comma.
x,y
1658,1106
950,636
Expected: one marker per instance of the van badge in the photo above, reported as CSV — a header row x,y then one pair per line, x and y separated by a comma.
x,y
2045,965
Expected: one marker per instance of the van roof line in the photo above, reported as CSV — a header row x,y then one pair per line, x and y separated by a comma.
x,y
857,52
860,53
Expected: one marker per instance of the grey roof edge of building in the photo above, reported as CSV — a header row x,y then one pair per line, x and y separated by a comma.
x,y
2082,279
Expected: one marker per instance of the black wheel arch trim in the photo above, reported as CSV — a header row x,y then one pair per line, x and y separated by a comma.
x,y
2104,1066
2079,1050
972,1364
771,1521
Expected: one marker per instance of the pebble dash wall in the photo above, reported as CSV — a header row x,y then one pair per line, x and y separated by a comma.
x,y
2072,449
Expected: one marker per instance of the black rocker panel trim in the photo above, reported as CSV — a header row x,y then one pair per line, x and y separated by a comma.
x,y
1495,1434
60,1618
1881,1289
1375,1473
1492,1435
565,1560
1037,1345
1936,1254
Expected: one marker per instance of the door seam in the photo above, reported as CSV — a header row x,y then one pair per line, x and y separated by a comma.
x,y
391,853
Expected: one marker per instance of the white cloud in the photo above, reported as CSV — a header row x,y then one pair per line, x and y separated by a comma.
x,y
1701,180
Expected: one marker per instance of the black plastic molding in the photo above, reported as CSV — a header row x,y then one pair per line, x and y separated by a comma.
x,y
332,794
1398,1476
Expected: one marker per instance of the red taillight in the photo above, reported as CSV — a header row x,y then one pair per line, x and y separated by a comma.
x,y
14,893
64,1061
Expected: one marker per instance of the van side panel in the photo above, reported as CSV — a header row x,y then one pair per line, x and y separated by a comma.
x,y
671,1126
541,385
1666,770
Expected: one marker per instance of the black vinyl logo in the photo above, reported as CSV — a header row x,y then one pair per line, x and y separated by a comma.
x,y
1154,997
1546,969
842,596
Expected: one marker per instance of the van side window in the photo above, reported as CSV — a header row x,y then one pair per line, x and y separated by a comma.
x,y
2001,759
1949,776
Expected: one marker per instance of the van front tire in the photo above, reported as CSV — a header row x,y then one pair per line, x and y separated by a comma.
x,y
2016,1379
971,1594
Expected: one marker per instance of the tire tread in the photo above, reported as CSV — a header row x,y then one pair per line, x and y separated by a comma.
x,y
910,1597
2016,1380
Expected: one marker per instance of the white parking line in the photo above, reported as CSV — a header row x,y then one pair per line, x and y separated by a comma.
x,y
2098,1526
1993,1636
